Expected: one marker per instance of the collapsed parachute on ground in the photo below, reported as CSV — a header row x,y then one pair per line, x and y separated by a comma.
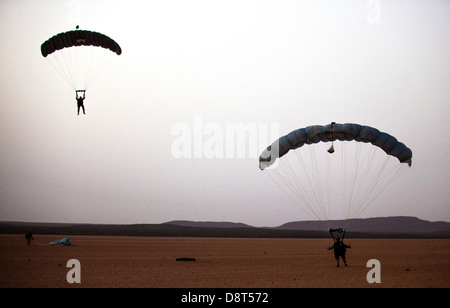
x,y
64,242
361,163
80,56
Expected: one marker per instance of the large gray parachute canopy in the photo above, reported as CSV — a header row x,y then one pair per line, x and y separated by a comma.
x,y
333,132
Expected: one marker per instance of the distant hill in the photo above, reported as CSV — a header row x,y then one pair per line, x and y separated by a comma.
x,y
153,230
396,224
400,224
381,227
207,224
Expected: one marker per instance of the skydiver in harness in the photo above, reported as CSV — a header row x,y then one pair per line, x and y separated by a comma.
x,y
80,100
339,246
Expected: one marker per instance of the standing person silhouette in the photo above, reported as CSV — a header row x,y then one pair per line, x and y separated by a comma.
x,y
80,100
29,237
340,249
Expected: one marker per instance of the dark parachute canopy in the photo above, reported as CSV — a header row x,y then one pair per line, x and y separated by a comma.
x,y
333,132
79,38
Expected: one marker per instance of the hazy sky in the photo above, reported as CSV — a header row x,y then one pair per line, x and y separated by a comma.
x,y
192,68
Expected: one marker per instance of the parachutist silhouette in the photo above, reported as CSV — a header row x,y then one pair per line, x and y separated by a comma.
x,y
80,67
80,100
29,237
340,249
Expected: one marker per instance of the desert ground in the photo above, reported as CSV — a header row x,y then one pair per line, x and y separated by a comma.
x,y
150,262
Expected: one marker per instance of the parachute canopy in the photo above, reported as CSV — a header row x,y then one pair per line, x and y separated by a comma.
x,y
333,132
347,177
80,56
79,38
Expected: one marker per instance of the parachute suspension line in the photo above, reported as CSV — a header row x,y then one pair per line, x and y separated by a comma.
x,y
328,188
358,186
60,72
298,187
72,64
68,63
370,188
87,65
317,182
61,64
289,179
78,54
344,179
100,60
353,178
78,58
90,68
96,61
84,61
394,174
311,188
80,66
296,202
367,161
310,174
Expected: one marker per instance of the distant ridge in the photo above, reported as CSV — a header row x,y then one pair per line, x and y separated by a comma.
x,y
381,227
395,224
207,224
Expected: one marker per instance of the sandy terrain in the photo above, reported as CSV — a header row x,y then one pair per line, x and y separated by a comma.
x,y
220,262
